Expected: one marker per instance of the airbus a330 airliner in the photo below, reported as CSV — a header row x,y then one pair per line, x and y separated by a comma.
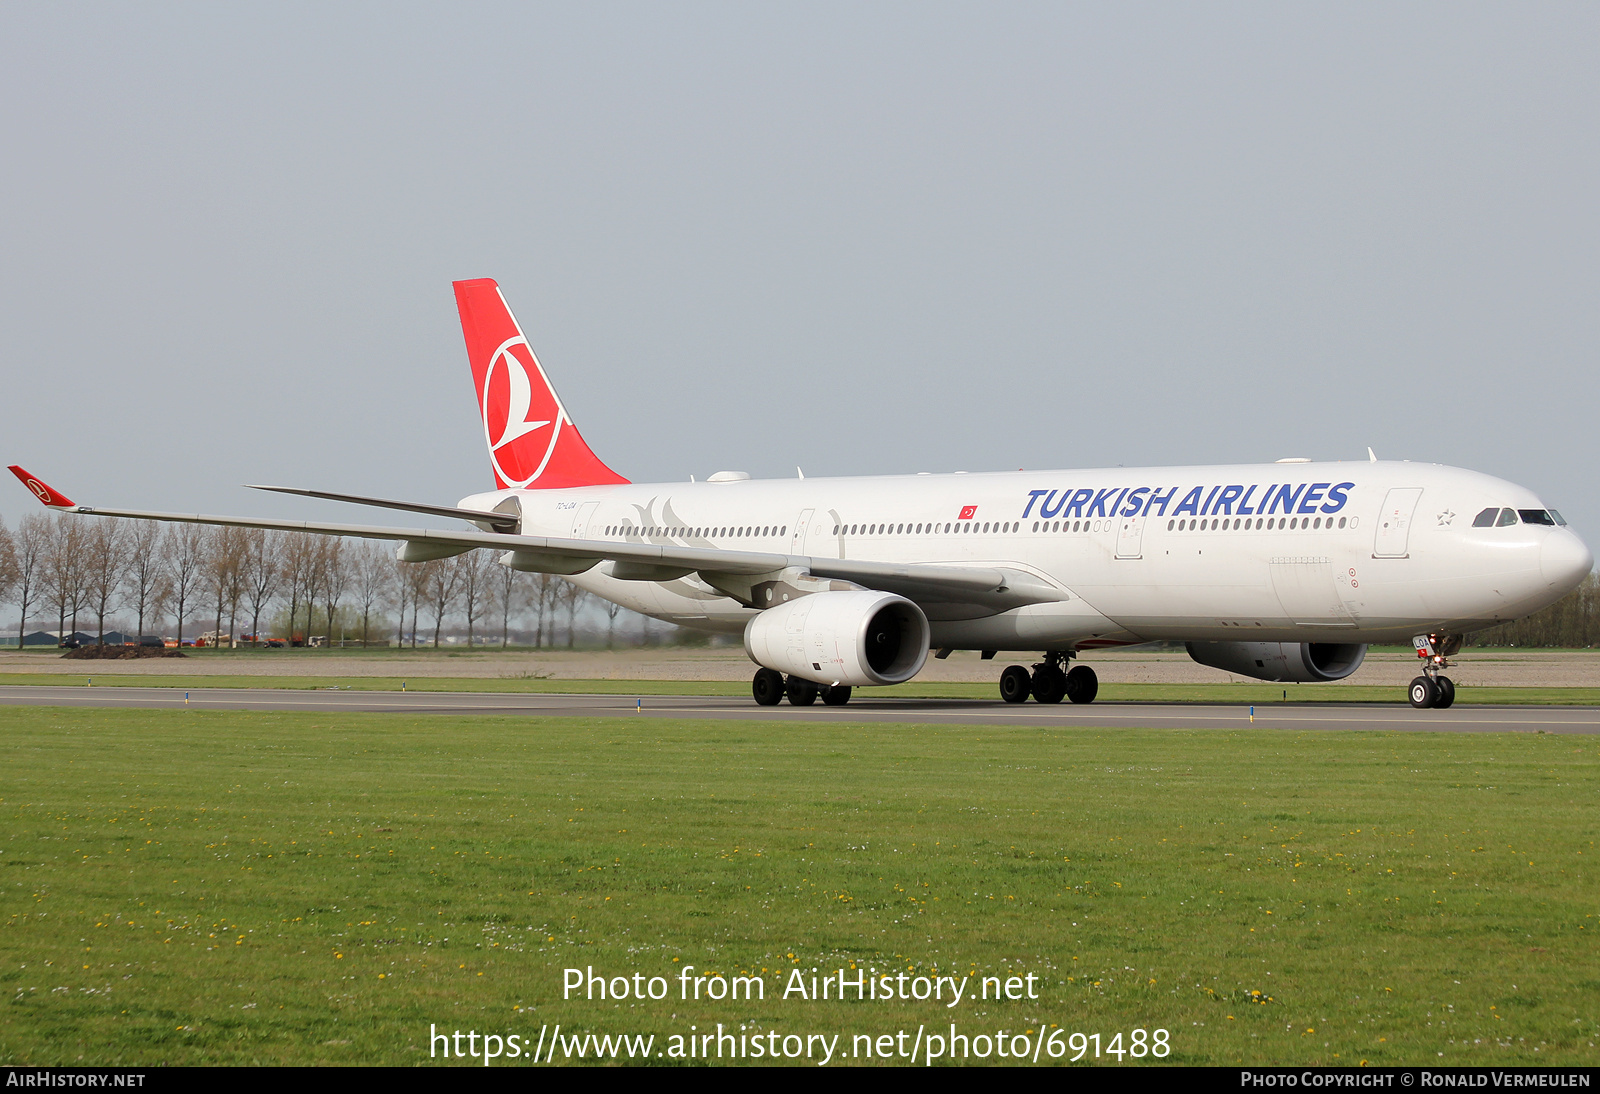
x,y
1283,571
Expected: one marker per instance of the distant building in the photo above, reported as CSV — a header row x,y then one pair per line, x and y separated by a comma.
x,y
54,638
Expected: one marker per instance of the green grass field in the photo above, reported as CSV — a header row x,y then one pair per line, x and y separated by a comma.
x,y
1238,694
195,887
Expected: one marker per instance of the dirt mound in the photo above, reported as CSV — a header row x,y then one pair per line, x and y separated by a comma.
x,y
119,653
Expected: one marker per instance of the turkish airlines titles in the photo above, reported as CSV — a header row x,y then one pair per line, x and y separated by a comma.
x,y
1238,499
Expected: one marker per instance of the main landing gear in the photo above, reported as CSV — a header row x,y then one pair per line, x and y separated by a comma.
x,y
1432,688
1049,682
770,687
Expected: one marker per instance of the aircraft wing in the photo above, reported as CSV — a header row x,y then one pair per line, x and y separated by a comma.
x,y
497,520
995,588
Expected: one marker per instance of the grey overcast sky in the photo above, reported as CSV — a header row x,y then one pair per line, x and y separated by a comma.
x,y
860,238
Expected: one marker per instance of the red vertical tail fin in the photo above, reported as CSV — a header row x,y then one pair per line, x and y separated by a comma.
x,y
532,443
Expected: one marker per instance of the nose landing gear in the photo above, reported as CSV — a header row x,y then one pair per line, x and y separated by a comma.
x,y
1049,682
1432,688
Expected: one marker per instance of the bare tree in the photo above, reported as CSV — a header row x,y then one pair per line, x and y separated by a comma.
x,y
64,570
224,555
104,559
295,557
611,610
443,585
542,596
572,598
142,575
260,567
416,577
237,581
472,579
402,592
370,571
315,571
32,551
185,551
8,562
507,590
335,570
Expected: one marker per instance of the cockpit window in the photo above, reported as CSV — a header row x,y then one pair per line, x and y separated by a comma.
x,y
1561,520
1507,517
1485,519
1535,516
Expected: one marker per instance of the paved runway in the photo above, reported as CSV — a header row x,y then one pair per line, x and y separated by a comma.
x,y
869,708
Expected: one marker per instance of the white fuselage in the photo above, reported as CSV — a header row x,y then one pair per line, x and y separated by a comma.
x,y
1321,552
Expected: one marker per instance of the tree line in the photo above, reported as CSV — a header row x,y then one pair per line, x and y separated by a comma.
x,y
297,584
239,580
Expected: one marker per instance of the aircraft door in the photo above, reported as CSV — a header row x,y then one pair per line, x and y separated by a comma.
x,y
1130,538
580,519
797,537
1394,522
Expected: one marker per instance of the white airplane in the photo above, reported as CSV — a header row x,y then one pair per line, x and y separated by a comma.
x,y
1282,571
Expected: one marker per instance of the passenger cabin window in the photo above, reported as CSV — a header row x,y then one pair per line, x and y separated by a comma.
x,y
1508,517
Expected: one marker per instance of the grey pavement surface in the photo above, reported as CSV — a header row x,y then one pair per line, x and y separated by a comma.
x,y
871,708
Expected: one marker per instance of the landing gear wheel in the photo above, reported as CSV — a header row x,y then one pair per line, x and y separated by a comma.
x,y
1015,684
1049,684
1082,684
767,687
802,693
836,695
1447,692
1424,693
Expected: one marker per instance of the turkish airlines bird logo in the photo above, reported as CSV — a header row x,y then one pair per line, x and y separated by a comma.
x,y
518,409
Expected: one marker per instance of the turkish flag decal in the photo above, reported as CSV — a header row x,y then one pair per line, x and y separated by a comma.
x,y
968,512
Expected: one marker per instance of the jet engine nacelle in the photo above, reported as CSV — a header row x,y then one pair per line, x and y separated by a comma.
x,y
850,638
1299,662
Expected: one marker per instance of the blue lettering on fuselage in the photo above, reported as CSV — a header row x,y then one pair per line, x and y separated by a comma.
x,y
1190,503
1228,500
1163,500
1287,499
1308,504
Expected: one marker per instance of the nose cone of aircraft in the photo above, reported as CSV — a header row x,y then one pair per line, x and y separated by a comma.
x,y
1564,559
